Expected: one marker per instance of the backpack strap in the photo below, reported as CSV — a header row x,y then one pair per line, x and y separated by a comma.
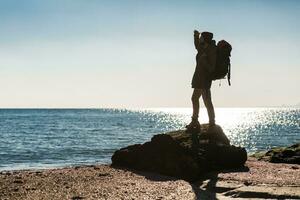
x,y
228,75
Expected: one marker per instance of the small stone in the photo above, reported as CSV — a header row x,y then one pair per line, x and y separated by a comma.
x,y
295,167
77,198
247,183
18,181
7,173
103,174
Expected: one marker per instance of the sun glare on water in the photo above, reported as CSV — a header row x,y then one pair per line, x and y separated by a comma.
x,y
255,128
225,117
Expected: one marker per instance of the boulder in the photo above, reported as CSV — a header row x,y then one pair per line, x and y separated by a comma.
x,y
183,155
290,155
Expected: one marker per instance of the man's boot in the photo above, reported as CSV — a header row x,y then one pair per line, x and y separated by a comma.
x,y
212,123
194,126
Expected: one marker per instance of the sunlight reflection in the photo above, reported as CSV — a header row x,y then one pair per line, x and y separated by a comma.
x,y
250,127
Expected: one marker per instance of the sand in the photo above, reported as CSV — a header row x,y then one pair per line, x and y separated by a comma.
x,y
258,179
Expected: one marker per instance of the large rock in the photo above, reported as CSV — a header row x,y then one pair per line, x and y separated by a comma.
x,y
289,155
183,155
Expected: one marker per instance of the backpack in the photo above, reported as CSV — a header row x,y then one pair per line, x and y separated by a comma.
x,y
223,61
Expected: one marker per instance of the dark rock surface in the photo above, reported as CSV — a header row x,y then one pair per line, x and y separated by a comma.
x,y
183,155
289,155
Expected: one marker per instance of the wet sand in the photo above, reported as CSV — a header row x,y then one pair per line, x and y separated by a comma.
x,y
258,179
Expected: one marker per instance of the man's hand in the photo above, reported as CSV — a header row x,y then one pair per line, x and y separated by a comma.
x,y
196,39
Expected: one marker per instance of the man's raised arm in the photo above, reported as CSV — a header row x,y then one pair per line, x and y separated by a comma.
x,y
196,39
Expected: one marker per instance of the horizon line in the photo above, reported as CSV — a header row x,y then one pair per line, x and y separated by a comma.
x,y
134,108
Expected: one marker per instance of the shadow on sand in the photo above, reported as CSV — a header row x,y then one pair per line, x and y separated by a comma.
x,y
204,188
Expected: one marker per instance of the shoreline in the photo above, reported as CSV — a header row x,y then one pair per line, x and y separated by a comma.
x,y
74,165
259,179
250,154
80,164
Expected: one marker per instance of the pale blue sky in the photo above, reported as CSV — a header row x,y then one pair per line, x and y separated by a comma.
x,y
78,53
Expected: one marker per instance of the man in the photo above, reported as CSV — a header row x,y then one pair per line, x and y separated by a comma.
x,y
201,82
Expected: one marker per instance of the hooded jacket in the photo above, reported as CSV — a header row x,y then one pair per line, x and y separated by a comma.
x,y
206,63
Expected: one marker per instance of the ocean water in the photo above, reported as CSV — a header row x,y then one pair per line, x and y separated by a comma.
x,y
46,138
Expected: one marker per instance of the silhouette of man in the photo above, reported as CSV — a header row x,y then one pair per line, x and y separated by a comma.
x,y
201,82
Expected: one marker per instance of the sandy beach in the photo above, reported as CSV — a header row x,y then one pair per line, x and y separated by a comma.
x,y
258,179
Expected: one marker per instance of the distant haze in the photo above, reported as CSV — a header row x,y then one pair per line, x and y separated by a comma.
x,y
134,53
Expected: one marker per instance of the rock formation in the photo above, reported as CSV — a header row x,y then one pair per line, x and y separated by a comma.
x,y
183,155
289,155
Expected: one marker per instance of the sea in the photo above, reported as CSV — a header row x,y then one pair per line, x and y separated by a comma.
x,y
53,138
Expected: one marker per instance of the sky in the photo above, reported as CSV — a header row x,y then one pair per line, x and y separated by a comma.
x,y
136,53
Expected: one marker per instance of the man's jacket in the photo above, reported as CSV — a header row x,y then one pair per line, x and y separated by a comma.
x,y
206,57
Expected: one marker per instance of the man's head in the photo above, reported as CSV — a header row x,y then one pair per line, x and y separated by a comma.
x,y
206,37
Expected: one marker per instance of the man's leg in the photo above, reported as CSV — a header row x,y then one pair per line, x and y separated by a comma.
x,y
206,95
195,100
